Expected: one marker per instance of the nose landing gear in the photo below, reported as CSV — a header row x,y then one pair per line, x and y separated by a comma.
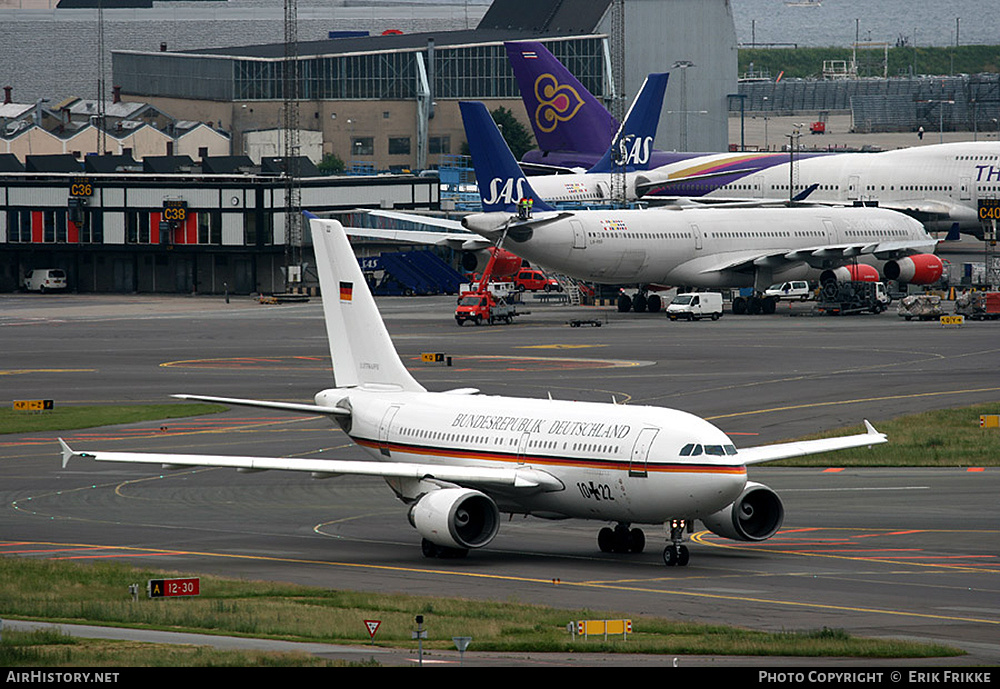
x,y
676,554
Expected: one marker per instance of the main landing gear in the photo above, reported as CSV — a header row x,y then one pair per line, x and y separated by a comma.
x,y
621,539
641,302
754,305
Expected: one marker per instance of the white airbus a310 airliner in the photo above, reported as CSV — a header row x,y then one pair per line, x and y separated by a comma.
x,y
459,459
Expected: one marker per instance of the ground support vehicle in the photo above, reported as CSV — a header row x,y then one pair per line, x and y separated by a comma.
x,y
792,289
978,306
45,280
844,298
695,306
923,307
483,307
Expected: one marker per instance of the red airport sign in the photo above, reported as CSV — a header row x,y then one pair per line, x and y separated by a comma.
x,y
164,588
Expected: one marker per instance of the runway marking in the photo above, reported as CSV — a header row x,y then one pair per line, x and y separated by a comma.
x,y
599,585
860,400
461,362
986,564
25,371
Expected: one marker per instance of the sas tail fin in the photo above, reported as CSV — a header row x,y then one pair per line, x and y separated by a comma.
x,y
501,182
632,146
362,352
564,114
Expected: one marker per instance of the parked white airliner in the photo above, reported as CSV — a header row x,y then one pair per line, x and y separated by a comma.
x,y
940,184
691,245
458,459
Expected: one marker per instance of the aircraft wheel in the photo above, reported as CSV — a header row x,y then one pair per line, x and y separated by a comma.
x,y
654,303
624,303
636,541
606,540
739,306
639,303
676,556
768,305
670,556
428,549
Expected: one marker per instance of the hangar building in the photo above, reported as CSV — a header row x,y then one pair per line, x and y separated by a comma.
x,y
391,101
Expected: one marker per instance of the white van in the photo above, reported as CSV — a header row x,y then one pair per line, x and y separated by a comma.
x,y
696,305
45,279
793,289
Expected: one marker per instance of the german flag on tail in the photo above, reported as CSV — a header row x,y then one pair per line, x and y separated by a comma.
x,y
346,291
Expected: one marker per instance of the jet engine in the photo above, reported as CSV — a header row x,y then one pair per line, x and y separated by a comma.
x,y
858,272
456,518
755,515
921,269
506,265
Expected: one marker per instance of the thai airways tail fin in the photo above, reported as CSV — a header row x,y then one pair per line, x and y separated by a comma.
x,y
362,352
564,114
502,183
633,144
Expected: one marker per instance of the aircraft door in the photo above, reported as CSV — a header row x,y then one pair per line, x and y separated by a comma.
x,y
965,187
758,186
853,188
831,231
640,452
383,429
696,233
522,447
579,237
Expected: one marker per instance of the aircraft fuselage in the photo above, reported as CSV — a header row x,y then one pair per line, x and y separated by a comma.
x,y
622,465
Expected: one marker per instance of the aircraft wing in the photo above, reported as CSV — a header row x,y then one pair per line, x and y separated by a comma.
x,y
466,241
742,261
429,221
521,479
801,448
265,404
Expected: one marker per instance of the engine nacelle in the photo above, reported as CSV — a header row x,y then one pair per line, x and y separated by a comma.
x,y
506,265
456,518
857,272
921,269
754,516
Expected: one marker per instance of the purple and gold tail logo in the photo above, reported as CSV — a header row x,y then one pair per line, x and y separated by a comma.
x,y
556,102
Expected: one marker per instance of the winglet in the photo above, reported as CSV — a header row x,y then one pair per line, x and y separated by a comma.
x,y
871,431
68,453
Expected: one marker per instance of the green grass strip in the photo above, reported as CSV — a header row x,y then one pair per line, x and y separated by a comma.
x,y
66,418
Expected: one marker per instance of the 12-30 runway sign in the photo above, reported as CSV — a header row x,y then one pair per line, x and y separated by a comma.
x,y
164,588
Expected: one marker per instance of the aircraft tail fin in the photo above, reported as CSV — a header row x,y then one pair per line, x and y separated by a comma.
x,y
633,143
362,352
501,182
563,114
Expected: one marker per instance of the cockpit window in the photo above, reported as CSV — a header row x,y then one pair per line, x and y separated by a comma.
x,y
694,449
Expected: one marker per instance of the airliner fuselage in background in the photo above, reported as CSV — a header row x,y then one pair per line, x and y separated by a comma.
x,y
940,184
713,247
